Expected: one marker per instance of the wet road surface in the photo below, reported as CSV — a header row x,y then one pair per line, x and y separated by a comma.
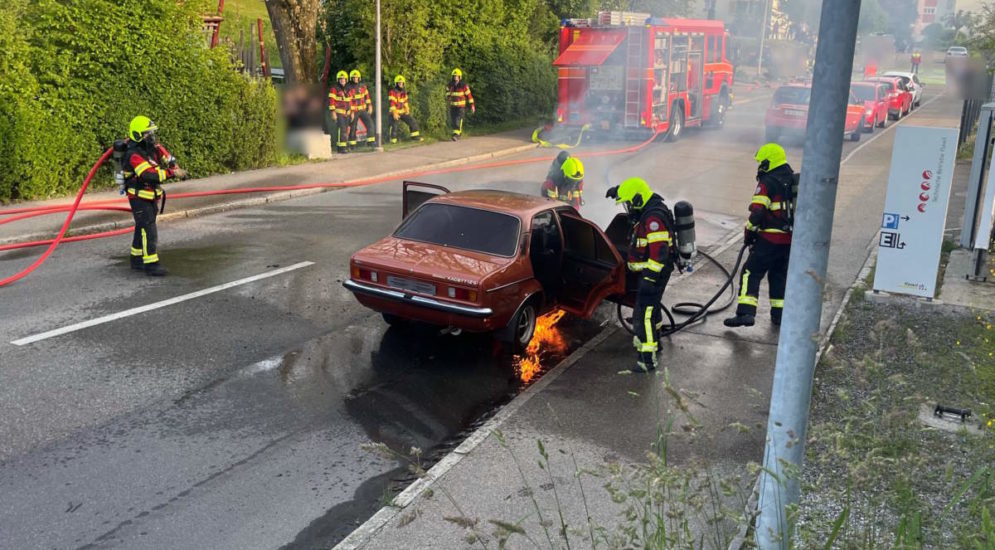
x,y
235,420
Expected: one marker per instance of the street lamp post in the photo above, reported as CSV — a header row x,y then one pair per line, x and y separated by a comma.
x,y
763,36
379,86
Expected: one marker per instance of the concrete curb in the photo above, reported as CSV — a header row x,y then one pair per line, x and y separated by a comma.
x,y
365,532
265,198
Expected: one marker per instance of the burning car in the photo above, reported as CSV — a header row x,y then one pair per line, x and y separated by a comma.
x,y
485,261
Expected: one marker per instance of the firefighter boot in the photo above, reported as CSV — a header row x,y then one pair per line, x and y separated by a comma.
x,y
645,363
740,321
155,269
136,263
775,316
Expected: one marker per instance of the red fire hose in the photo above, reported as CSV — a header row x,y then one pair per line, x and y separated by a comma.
x,y
18,214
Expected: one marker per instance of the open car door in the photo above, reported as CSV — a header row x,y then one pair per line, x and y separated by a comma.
x,y
414,194
591,269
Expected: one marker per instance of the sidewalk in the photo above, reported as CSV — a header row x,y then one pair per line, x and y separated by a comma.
x,y
359,165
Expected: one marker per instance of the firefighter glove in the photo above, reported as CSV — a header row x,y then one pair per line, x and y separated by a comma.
x,y
612,193
397,116
750,238
180,173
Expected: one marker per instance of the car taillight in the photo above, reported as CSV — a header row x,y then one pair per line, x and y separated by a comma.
x,y
462,294
359,273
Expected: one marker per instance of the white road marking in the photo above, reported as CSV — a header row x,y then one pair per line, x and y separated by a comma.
x,y
156,305
888,129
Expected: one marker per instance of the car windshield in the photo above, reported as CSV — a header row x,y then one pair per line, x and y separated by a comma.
x,y
864,93
792,95
461,227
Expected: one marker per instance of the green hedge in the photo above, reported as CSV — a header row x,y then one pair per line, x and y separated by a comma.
x,y
98,63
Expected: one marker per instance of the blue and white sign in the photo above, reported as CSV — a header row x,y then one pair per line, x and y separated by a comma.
x,y
915,210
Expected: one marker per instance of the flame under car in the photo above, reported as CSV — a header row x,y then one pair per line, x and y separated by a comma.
x,y
486,261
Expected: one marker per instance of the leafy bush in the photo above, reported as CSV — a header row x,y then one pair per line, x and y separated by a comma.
x,y
101,62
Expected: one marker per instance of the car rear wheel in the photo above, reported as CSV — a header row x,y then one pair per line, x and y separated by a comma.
x,y
855,136
523,326
884,119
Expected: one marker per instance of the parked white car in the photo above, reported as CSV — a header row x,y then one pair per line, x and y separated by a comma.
x,y
912,83
957,51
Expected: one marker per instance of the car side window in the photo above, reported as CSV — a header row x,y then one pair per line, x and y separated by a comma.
x,y
546,235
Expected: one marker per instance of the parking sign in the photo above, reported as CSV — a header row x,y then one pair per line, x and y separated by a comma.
x,y
915,210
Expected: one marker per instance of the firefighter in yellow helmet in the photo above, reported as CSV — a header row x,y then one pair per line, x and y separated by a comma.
x,y
459,98
565,180
340,107
651,256
147,165
400,111
362,108
768,234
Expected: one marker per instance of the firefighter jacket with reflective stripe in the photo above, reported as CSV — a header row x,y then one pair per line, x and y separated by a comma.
x,y
769,209
399,101
558,187
359,94
143,171
650,250
458,94
916,58
339,101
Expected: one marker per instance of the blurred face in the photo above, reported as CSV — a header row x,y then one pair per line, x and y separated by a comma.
x,y
400,84
355,80
456,78
342,81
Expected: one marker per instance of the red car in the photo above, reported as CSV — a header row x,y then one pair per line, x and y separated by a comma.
x,y
486,261
875,98
787,114
899,98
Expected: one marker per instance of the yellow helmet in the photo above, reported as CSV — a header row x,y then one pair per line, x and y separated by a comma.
x,y
398,79
139,126
457,72
573,169
342,74
634,191
355,74
770,156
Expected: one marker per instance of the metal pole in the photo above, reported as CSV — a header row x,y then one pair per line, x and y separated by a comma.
x,y
975,186
797,346
763,37
379,86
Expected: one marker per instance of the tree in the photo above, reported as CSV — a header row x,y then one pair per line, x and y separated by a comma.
x,y
872,18
295,25
902,14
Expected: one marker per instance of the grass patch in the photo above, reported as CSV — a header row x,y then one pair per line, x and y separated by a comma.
x,y
946,248
900,483
239,16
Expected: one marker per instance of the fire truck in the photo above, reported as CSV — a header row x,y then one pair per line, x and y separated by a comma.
x,y
629,76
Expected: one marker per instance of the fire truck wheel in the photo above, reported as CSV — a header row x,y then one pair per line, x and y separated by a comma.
x,y
717,118
676,124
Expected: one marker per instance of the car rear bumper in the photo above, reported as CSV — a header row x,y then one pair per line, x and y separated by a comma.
x,y
421,308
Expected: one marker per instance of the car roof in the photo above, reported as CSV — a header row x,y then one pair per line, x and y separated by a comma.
x,y
898,73
518,204
865,83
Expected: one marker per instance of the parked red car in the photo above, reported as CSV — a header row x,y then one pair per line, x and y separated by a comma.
x,y
787,114
899,98
486,261
875,98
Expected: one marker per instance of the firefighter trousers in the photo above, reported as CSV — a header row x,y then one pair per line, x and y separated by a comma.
x,y
395,127
143,244
371,135
767,259
456,116
646,317
341,133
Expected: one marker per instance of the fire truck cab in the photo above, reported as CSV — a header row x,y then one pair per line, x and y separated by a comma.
x,y
630,76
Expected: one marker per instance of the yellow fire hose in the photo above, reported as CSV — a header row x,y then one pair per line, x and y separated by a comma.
x,y
564,146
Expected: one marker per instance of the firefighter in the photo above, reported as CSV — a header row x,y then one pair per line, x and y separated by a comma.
x,y
147,165
768,234
400,111
916,61
565,180
340,106
458,96
651,255
362,108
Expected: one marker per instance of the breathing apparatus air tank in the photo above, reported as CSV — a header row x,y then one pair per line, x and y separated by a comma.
x,y
120,148
684,221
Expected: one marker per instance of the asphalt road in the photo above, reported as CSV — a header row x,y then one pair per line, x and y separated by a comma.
x,y
235,419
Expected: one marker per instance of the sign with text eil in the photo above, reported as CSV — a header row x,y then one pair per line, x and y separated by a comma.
x,y
915,210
